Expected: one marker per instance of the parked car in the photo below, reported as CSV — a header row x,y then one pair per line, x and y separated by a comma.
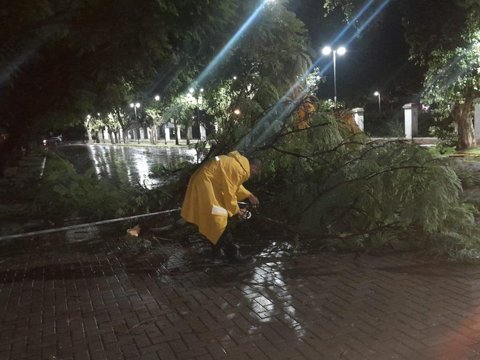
x,y
52,141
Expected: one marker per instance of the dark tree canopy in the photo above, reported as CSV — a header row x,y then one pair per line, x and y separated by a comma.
x,y
59,57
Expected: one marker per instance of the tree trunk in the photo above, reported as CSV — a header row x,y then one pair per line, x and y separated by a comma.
x,y
89,135
462,115
100,138
125,135
176,132
118,132
154,134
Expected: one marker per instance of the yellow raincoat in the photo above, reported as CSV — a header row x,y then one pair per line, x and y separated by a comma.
x,y
213,192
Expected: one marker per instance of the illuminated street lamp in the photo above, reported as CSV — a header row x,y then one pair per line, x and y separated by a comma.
x,y
135,106
327,50
377,93
157,97
237,112
195,93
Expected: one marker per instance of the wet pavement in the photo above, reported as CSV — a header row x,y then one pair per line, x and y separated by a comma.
x,y
119,163
121,297
97,301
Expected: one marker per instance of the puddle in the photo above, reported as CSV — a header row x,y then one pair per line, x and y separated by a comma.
x,y
85,255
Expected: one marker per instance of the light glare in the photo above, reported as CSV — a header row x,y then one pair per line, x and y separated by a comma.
x,y
341,50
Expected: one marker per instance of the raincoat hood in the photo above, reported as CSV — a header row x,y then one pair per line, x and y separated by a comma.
x,y
243,161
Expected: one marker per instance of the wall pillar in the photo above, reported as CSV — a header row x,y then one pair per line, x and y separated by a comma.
x,y
105,134
179,134
476,119
189,132
358,117
411,120
167,133
203,132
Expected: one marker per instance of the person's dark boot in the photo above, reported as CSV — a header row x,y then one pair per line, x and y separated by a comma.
x,y
217,252
232,252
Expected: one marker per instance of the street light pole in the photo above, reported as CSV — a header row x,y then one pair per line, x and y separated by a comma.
x,y
335,77
377,93
341,51
198,105
197,94
135,106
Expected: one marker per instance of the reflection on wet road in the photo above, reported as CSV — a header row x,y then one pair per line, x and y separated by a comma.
x,y
271,297
172,302
124,163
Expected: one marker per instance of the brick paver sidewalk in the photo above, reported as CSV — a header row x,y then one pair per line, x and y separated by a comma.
x,y
89,303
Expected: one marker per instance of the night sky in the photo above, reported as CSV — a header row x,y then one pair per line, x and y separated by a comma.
x,y
376,60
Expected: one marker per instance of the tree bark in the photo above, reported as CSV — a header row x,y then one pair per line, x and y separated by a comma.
x,y
89,135
153,136
100,138
125,135
188,136
462,115
176,132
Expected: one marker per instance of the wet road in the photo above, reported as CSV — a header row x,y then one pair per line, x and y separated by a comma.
x,y
124,163
99,302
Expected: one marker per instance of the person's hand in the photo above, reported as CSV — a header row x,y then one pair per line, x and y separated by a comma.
x,y
254,201
244,214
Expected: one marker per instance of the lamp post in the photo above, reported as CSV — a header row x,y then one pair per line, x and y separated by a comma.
x,y
135,106
197,95
327,50
154,130
377,94
165,125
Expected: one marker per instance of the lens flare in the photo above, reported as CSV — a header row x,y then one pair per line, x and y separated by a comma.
x,y
271,123
223,54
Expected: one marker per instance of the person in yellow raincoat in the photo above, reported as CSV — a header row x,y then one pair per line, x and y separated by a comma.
x,y
212,197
